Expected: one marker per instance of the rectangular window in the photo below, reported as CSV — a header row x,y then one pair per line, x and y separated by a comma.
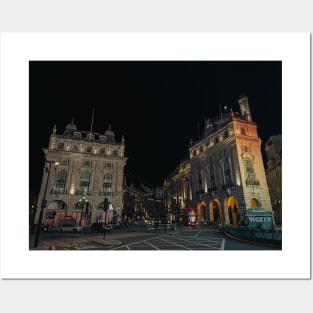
x,y
249,169
250,176
107,181
107,185
75,148
89,149
64,162
84,183
245,149
102,151
61,182
109,165
108,178
87,164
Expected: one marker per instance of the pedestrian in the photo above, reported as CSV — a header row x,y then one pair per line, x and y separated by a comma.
x,y
156,226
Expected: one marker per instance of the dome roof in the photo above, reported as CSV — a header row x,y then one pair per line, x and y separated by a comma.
x,y
109,134
70,128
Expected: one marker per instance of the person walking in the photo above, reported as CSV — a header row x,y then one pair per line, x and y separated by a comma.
x,y
156,226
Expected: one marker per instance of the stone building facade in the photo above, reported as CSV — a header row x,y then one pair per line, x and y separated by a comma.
x,y
179,190
81,170
273,149
226,174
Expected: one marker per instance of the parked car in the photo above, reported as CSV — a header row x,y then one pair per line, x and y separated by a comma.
x,y
70,228
99,227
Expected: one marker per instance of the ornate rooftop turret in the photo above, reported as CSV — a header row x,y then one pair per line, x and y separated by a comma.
x,y
70,128
109,134
244,107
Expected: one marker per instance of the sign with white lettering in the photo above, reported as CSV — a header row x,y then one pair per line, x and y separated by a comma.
x,y
259,218
160,193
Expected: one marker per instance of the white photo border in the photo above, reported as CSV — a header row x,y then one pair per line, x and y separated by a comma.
x,y
292,262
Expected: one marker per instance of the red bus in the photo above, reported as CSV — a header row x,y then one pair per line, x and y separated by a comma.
x,y
190,217
68,221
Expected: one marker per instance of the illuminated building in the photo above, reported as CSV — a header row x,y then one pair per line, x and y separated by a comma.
x,y
226,173
90,168
273,149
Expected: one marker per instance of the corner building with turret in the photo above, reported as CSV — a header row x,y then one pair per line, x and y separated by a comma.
x,y
226,173
81,170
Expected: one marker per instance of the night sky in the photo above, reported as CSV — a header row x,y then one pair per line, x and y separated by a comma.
x,y
157,105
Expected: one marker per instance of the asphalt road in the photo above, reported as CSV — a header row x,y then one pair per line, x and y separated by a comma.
x,y
207,238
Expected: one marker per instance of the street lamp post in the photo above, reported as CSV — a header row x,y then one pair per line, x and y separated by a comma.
x,y
105,208
33,213
83,201
43,203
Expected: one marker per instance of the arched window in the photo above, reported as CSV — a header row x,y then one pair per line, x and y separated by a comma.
x,y
57,205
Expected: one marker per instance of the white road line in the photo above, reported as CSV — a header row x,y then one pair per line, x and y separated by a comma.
x,y
214,243
199,243
148,243
175,244
223,244
134,243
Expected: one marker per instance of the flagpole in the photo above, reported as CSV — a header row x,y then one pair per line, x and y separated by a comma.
x,y
92,120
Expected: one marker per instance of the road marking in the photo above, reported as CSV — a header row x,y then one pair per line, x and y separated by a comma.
x,y
207,242
175,244
185,243
223,244
197,234
156,248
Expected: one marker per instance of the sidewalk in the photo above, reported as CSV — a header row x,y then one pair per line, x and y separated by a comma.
x,y
93,242
78,243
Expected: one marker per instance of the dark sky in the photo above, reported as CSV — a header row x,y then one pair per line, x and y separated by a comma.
x,y
157,105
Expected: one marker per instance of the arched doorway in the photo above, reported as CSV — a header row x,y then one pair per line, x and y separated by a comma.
x,y
202,211
55,210
233,213
82,212
215,211
255,203
103,216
